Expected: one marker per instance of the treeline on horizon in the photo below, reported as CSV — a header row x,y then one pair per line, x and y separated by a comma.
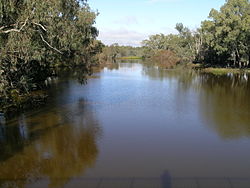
x,y
223,40
112,52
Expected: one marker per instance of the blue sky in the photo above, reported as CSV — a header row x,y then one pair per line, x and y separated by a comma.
x,y
128,22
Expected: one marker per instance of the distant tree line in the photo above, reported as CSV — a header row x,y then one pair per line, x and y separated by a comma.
x,y
111,52
222,40
36,36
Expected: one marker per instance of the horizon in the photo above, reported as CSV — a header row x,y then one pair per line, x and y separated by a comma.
x,y
133,22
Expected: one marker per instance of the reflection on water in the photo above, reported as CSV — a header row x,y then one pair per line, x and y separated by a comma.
x,y
58,144
131,120
225,104
224,100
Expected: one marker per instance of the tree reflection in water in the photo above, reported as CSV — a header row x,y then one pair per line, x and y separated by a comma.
x,y
223,99
66,146
60,143
225,104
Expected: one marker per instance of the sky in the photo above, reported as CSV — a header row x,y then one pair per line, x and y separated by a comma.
x,y
128,22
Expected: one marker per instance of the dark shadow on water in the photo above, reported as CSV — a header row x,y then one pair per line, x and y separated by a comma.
x,y
166,179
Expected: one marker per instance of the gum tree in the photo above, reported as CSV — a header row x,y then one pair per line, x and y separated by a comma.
x,y
227,34
35,36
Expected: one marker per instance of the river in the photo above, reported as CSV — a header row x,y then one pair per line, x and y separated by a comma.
x,y
131,121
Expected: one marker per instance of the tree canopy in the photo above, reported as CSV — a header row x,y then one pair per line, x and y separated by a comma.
x,y
227,34
222,40
38,35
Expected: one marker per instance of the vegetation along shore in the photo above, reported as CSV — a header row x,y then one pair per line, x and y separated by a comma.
x,y
36,37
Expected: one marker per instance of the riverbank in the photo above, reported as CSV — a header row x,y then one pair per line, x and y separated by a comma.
x,y
17,103
129,57
20,103
221,71
218,70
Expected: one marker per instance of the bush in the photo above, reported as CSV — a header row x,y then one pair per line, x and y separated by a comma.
x,y
166,59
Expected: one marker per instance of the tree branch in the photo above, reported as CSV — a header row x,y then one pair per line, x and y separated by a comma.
x,y
1,28
40,25
50,45
14,30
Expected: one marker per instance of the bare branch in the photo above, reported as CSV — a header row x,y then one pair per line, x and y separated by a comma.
x,y
49,44
1,28
15,30
40,25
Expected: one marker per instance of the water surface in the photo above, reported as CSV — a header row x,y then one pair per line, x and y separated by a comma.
x,y
131,121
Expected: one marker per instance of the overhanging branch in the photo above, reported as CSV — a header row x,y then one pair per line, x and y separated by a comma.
x,y
14,30
50,45
40,25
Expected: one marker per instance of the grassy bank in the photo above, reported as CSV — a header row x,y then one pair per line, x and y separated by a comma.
x,y
221,71
129,57
217,70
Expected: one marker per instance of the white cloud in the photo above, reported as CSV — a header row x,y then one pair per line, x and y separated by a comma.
x,y
122,37
125,37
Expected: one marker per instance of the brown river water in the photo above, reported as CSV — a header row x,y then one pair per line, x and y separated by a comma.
x,y
132,126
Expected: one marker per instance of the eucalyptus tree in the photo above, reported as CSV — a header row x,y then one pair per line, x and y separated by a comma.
x,y
37,35
227,34
158,41
182,44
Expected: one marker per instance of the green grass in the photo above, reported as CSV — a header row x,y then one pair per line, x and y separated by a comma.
x,y
217,70
221,71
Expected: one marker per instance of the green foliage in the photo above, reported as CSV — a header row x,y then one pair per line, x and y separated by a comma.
x,y
223,40
227,34
182,44
114,51
37,35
